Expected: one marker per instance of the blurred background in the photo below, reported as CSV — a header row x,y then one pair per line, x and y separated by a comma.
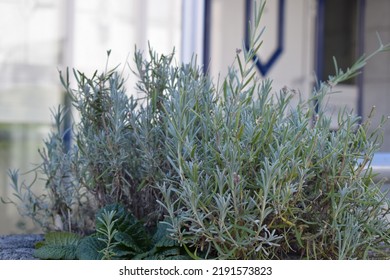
x,y
39,38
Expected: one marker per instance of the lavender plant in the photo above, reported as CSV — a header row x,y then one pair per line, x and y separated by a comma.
x,y
63,204
238,171
256,178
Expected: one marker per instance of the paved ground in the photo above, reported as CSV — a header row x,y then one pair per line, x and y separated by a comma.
x,y
18,247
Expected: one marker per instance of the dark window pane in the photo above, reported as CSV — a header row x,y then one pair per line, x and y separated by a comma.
x,y
340,38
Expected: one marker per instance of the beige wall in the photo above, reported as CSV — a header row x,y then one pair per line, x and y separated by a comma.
x,y
376,89
294,68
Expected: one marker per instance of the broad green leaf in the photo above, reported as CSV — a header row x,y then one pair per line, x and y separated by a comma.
x,y
58,246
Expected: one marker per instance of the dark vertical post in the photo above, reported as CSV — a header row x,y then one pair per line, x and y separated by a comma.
x,y
247,18
360,52
206,35
67,61
320,33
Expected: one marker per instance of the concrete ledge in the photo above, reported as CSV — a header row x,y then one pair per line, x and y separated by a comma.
x,y
18,247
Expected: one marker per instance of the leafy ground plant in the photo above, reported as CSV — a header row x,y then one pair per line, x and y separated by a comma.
x,y
118,236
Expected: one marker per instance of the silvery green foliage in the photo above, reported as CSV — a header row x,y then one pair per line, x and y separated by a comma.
x,y
115,156
61,205
257,178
